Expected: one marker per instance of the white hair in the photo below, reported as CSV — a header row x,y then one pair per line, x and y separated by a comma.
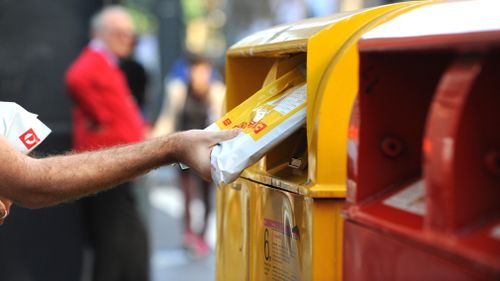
x,y
97,22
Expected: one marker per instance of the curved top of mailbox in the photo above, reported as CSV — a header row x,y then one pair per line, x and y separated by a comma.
x,y
292,36
464,19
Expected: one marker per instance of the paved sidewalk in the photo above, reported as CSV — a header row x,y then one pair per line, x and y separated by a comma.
x,y
169,260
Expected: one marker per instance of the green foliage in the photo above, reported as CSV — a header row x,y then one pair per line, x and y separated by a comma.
x,y
140,11
193,9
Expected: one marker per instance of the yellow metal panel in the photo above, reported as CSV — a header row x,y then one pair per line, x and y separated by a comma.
x,y
327,239
265,232
244,77
280,235
233,232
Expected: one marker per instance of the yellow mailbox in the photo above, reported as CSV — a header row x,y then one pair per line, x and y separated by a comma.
x,y
280,220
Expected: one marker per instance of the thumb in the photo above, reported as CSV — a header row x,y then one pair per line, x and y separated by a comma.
x,y
225,135
3,211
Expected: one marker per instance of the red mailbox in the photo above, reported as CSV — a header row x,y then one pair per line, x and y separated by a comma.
x,y
424,148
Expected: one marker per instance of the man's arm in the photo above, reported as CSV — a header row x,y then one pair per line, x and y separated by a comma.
x,y
36,183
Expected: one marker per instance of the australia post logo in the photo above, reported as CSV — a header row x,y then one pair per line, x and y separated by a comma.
x,y
29,138
257,127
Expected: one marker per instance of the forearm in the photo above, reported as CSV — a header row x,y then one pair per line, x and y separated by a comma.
x,y
60,178
36,183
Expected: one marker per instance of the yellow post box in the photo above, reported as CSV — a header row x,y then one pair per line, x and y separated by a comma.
x,y
280,220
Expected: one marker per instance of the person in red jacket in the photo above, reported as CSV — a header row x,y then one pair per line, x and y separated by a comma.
x,y
104,115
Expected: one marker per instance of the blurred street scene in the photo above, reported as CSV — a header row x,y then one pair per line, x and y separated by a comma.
x,y
39,41
170,261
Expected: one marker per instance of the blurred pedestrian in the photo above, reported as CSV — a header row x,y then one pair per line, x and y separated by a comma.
x,y
105,114
136,76
194,96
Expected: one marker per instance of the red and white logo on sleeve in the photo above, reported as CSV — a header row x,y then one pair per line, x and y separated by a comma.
x,y
29,138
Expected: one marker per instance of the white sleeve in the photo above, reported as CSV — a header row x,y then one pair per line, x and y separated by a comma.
x,y
22,129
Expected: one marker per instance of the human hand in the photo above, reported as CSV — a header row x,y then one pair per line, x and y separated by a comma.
x,y
4,209
194,147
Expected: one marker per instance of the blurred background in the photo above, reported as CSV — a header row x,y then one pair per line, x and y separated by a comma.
x,y
39,40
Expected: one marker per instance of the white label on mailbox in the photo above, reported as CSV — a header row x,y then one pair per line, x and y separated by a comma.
x,y
411,199
495,232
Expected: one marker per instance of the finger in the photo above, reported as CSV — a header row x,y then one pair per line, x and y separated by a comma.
x,y
225,135
207,176
8,204
3,211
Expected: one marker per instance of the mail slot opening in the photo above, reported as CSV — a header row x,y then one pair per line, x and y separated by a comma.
x,y
396,90
289,158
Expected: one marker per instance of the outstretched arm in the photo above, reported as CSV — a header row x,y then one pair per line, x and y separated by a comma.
x,y
36,183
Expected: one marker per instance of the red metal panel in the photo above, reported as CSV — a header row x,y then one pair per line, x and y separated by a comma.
x,y
378,256
463,132
462,159
395,93
424,163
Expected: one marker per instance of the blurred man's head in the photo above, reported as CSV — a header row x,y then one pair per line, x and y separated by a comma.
x,y
113,25
200,72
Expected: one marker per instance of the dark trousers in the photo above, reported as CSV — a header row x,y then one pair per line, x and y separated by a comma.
x,y
117,235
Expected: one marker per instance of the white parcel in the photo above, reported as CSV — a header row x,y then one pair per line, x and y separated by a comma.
x,y
21,128
269,116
